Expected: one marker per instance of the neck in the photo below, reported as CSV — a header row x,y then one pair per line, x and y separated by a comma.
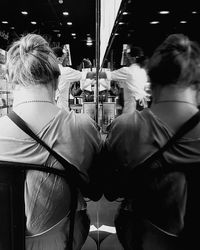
x,y
31,93
174,94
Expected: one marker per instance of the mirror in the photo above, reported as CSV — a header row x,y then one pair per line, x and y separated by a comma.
x,y
73,23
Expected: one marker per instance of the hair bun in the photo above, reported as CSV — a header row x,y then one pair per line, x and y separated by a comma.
x,y
179,43
185,44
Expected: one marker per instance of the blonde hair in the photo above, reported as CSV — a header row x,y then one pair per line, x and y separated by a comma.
x,y
31,61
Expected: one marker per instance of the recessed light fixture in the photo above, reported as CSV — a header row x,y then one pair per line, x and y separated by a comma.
x,y
120,23
5,22
33,22
183,21
69,23
163,12
154,22
65,13
24,12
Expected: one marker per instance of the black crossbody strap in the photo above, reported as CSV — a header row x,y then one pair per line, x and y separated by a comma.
x,y
186,127
74,173
22,124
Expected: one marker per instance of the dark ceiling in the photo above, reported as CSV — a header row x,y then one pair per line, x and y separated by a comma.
x,y
51,23
135,17
135,27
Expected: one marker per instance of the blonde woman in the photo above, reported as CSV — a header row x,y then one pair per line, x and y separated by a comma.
x,y
33,68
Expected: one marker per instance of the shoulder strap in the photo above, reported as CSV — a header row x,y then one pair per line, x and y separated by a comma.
x,y
23,126
74,173
186,127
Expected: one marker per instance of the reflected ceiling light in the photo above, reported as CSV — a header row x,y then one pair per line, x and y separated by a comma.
x,y
163,12
125,13
58,35
116,34
120,23
89,41
154,22
24,12
183,21
33,22
12,28
65,13
5,22
56,30
69,23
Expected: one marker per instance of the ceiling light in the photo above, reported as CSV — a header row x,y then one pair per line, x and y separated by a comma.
x,y
125,13
163,12
194,12
60,1
12,28
24,12
154,22
33,22
73,34
120,23
69,23
56,30
5,22
89,41
183,21
65,13
116,34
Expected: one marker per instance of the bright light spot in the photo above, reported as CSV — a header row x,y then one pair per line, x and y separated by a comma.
x,y
154,22
164,12
24,12
65,13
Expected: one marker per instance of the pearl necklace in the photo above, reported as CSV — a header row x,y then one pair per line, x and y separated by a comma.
x,y
20,103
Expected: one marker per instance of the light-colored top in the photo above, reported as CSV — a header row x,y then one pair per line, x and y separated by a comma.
x,y
67,76
90,84
73,136
133,80
134,137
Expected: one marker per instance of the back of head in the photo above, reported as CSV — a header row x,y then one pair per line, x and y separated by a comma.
x,y
136,52
135,55
31,61
175,61
58,51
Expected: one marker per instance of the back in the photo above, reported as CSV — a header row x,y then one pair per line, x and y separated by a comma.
x,y
73,137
